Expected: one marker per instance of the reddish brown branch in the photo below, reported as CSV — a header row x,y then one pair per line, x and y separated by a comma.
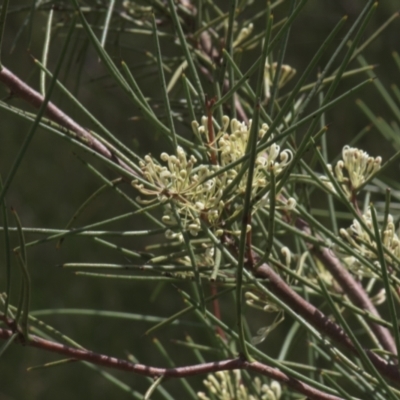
x,y
293,383
320,321
25,92
354,291
276,285
180,372
357,295
217,309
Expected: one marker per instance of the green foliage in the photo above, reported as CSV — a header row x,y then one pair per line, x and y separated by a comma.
x,y
285,254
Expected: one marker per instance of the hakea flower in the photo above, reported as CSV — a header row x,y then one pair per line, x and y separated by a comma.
x,y
137,10
244,33
234,145
287,254
355,168
174,179
362,242
283,204
205,257
261,303
228,385
301,269
195,195
264,304
379,297
286,74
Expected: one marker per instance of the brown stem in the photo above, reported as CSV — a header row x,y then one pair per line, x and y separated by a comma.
x,y
354,291
320,321
354,201
357,295
179,372
217,309
240,111
31,96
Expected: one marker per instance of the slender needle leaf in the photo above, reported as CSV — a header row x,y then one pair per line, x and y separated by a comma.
x,y
26,280
39,115
186,51
164,85
45,53
6,251
3,16
110,10
385,277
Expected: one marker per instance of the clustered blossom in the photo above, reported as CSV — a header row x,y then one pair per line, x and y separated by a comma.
x,y
264,304
232,147
286,74
137,10
260,303
362,242
355,168
194,194
244,33
224,385
205,256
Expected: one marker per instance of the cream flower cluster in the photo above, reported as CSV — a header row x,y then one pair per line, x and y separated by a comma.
x,y
244,33
195,195
264,304
136,10
355,168
232,147
361,241
205,256
286,74
224,385
260,302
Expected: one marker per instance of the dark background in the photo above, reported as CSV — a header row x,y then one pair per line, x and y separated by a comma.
x,y
51,183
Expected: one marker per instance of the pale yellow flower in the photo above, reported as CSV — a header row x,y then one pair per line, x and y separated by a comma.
x,y
198,196
228,385
362,242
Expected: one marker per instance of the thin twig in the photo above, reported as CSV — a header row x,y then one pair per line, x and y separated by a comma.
x,y
179,372
354,291
319,320
18,88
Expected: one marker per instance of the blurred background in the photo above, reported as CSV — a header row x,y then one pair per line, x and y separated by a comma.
x,y
52,183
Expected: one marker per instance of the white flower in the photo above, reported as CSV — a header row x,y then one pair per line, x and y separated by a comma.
x,y
198,196
233,146
361,241
244,33
356,168
286,74
228,385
